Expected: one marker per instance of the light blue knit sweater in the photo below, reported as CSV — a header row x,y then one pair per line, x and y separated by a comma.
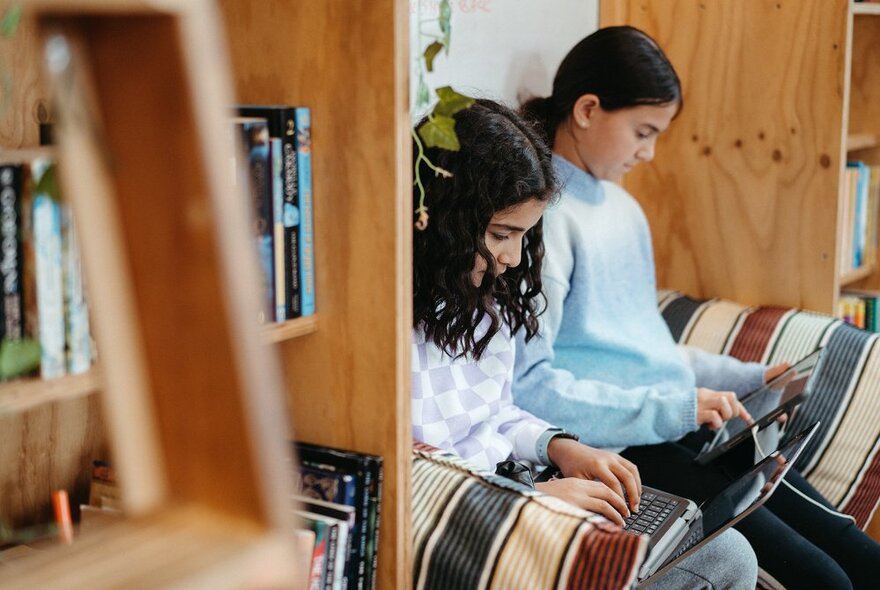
x,y
605,365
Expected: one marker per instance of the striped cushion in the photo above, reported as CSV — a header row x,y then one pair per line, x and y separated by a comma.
x,y
842,460
472,529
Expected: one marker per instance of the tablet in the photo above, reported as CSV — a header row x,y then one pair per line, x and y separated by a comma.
x,y
781,395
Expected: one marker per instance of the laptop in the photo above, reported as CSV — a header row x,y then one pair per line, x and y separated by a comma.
x,y
765,404
677,527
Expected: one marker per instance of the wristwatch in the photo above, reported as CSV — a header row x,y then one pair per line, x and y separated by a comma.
x,y
544,443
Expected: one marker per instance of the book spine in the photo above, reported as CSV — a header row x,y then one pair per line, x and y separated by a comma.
x,y
280,300
375,520
79,341
304,178
12,310
291,218
50,291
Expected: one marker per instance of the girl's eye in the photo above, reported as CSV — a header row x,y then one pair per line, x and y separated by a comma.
x,y
499,237
643,135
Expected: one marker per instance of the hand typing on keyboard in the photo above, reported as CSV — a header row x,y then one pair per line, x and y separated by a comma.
x,y
585,464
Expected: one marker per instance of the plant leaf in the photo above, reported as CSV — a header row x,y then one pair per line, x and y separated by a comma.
x,y
439,131
18,357
451,102
445,22
9,21
48,183
431,52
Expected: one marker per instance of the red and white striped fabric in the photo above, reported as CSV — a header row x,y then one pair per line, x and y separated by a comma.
x,y
842,461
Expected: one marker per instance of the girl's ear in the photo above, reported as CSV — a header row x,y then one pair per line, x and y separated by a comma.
x,y
584,109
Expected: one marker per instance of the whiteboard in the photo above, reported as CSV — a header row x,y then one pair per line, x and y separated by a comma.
x,y
503,49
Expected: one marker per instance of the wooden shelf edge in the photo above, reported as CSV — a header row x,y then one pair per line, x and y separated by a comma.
x,y
22,395
856,274
290,329
183,547
861,141
862,8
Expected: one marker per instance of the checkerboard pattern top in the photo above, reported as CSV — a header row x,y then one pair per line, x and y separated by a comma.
x,y
465,405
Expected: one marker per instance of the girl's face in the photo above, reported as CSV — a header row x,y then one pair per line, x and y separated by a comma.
x,y
504,237
611,143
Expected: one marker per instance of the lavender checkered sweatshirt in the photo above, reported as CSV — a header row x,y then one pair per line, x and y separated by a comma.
x,y
465,406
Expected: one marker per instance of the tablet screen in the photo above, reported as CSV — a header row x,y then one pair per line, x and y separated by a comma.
x,y
789,386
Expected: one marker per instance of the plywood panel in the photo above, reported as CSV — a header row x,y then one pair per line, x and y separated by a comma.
x,y
742,196
349,381
23,97
46,448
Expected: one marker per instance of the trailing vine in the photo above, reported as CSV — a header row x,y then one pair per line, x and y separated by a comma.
x,y
438,130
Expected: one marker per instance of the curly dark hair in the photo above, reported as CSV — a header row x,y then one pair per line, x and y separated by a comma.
x,y
502,163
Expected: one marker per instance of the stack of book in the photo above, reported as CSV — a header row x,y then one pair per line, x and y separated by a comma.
x,y
861,209
338,494
275,164
859,308
44,298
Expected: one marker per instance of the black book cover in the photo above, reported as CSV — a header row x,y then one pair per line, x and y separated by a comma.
x,y
12,309
357,464
280,120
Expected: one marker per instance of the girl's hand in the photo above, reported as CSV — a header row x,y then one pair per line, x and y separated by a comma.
x,y
594,496
716,407
775,371
580,461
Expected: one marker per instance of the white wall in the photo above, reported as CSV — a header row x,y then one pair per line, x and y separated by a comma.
x,y
503,49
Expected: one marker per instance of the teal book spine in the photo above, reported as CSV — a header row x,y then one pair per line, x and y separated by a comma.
x,y
307,234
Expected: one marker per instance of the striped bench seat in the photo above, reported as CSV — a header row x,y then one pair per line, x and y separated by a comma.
x,y
841,460
474,529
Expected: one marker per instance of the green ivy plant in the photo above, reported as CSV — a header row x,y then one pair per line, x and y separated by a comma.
x,y
8,26
438,130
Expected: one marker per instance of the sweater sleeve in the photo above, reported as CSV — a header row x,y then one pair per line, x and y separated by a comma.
x,y
723,373
602,414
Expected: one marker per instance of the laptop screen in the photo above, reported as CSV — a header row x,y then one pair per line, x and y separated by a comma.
x,y
763,401
753,486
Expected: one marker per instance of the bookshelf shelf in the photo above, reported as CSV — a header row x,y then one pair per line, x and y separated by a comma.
x,y
863,8
857,274
861,141
290,329
20,396
184,547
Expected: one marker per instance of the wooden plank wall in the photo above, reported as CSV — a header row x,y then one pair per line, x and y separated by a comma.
x,y
742,196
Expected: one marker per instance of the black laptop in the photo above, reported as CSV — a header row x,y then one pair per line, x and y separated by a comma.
x,y
677,527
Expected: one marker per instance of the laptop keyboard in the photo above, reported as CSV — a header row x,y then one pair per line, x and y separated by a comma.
x,y
653,511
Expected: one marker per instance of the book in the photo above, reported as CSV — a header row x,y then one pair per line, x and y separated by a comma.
x,y
303,136
275,152
76,311
49,279
374,519
345,515
280,120
358,465
253,171
12,309
326,546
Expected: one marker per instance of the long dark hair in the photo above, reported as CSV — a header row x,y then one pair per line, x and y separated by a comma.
x,y
502,163
621,65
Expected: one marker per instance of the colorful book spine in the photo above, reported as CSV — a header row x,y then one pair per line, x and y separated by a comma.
x,y
12,310
49,277
276,149
79,340
304,183
255,174
374,519
281,121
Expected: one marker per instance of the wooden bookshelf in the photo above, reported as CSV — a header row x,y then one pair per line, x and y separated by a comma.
x,y
290,329
856,275
192,390
25,394
861,141
745,196
866,8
